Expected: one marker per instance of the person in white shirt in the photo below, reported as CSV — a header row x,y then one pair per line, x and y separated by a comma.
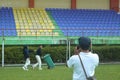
x,y
90,60
38,58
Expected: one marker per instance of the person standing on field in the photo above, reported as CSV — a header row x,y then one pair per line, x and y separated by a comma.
x,y
26,56
38,58
89,60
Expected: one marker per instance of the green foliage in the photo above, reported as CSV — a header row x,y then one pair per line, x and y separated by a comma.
x,y
57,52
14,54
107,53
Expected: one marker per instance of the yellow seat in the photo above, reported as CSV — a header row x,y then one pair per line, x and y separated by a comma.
x,y
27,30
28,33
41,30
50,24
34,21
33,34
38,34
43,34
52,27
17,27
50,30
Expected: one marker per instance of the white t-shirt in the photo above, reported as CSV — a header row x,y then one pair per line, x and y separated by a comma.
x,y
90,61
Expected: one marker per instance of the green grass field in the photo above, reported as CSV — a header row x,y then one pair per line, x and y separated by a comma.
x,y
103,72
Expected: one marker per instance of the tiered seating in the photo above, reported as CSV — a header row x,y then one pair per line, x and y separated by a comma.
x,y
76,22
33,22
87,22
7,24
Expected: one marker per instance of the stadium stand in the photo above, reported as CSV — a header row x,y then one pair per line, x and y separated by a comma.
x,y
31,25
33,22
87,22
7,23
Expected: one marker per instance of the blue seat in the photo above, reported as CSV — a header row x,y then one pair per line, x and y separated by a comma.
x,y
7,21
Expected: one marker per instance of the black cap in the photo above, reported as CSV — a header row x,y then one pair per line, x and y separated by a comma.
x,y
84,43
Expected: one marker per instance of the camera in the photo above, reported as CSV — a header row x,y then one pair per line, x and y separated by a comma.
x,y
78,47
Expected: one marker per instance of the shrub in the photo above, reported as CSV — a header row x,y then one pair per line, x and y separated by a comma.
x,y
14,54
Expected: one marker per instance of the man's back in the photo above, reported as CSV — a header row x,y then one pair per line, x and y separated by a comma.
x,y
90,61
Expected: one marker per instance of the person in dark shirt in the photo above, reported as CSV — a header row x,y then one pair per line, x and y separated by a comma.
x,y
26,56
37,56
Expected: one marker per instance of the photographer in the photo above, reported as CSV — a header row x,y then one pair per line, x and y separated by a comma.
x,y
89,60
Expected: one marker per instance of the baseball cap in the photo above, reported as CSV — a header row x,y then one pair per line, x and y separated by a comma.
x,y
84,43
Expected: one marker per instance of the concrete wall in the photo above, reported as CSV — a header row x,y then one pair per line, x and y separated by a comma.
x,y
93,4
52,3
14,3
89,4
